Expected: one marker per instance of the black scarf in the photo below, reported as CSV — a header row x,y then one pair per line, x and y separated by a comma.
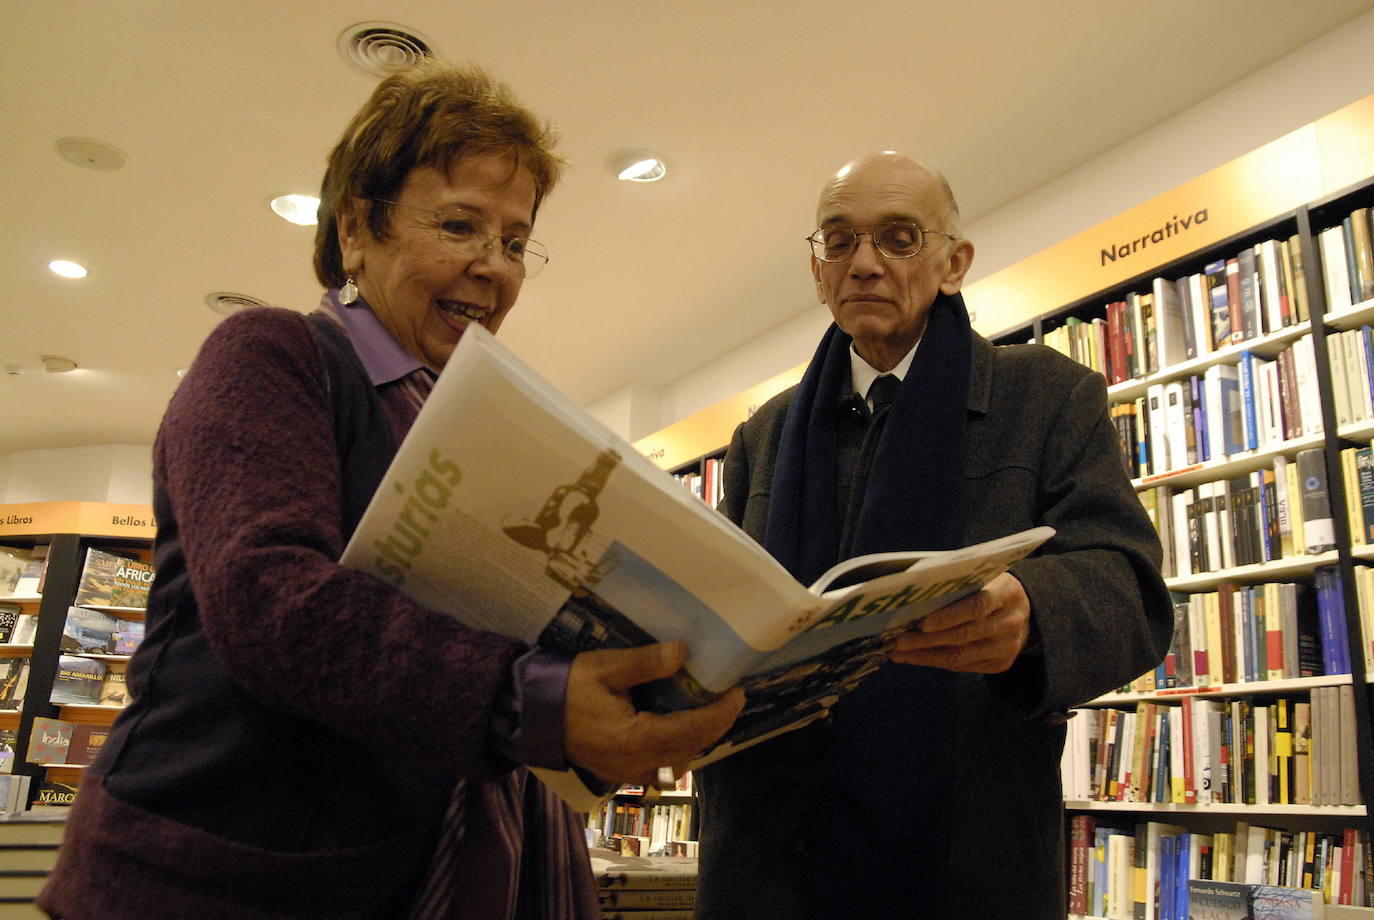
x,y
888,751
916,484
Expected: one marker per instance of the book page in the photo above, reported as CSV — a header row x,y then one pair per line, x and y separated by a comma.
x,y
503,503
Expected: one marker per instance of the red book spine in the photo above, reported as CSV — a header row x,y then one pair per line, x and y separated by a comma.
x,y
1116,337
1349,841
1189,777
1081,839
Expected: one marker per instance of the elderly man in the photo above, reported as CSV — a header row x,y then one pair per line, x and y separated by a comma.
x,y
932,790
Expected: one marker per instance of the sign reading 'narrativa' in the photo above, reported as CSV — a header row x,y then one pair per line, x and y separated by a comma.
x,y
1173,227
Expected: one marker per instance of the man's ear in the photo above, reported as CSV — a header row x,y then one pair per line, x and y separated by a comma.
x,y
354,234
820,285
960,258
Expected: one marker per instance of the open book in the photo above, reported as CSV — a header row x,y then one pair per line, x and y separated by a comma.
x,y
511,508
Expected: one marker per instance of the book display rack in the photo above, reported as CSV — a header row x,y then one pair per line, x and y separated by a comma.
x,y
88,612
1240,382
1243,757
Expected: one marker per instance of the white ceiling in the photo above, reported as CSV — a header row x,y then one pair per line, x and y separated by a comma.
x,y
222,104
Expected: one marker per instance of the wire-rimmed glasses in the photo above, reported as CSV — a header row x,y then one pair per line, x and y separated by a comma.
x,y
895,240
461,231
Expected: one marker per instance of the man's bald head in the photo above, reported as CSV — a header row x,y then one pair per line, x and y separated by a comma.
x,y
899,166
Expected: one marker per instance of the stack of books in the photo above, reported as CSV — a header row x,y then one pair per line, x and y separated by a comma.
x,y
644,887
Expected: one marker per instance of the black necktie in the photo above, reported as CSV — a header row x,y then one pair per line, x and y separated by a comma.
x,y
882,391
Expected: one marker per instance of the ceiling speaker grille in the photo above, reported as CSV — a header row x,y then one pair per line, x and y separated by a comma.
x,y
227,302
382,48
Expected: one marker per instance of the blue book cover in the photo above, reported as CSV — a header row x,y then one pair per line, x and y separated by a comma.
x,y
1249,420
1232,421
1142,441
1268,552
1179,899
1331,621
1321,582
1097,902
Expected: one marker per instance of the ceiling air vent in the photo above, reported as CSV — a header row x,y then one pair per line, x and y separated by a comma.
x,y
382,48
228,303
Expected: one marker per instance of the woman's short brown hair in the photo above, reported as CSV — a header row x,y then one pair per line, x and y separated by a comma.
x,y
430,115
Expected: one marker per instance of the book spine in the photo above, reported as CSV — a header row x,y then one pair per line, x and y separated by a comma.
x,y
1228,617
1248,397
1252,324
1335,269
1183,293
1319,533
1363,278
1081,834
1219,308
1189,746
1233,301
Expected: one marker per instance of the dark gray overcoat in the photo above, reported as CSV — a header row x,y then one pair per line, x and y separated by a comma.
x,y
1041,450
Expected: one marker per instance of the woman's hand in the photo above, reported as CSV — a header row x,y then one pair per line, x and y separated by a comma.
x,y
604,733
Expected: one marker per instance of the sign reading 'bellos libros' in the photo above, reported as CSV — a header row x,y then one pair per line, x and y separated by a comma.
x,y
93,518
1173,227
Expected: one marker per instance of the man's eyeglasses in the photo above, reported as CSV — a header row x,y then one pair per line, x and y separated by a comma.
x,y
896,240
460,231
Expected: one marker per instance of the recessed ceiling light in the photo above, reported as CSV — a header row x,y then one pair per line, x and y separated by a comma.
x,y
298,209
56,364
636,164
646,170
181,371
67,269
90,154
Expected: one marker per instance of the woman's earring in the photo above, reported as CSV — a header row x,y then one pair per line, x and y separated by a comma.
x,y
349,292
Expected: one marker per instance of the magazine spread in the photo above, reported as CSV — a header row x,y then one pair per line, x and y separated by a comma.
x,y
511,508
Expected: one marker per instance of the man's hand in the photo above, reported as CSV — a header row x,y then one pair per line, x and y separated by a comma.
x,y
982,634
604,733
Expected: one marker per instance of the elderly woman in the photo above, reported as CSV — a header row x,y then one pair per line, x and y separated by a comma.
x,y
304,741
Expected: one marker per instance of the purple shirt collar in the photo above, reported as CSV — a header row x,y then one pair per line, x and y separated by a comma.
x,y
383,359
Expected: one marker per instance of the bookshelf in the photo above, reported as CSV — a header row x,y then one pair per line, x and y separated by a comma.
x,y
1206,484
658,824
68,529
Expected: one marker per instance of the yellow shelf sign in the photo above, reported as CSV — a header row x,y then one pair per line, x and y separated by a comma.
x,y
97,519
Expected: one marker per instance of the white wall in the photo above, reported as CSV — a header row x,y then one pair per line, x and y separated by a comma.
x,y
117,473
1295,90
632,408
